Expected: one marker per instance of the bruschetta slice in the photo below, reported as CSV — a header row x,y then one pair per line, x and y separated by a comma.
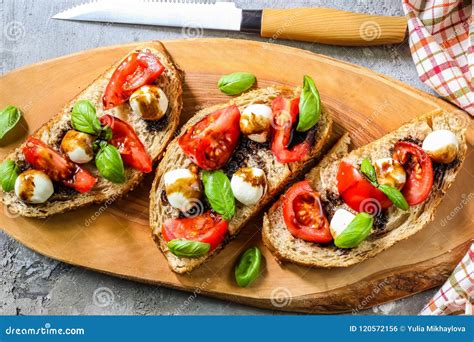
x,y
102,142
367,200
227,163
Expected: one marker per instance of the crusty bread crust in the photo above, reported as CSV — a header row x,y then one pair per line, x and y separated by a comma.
x,y
278,175
155,141
400,225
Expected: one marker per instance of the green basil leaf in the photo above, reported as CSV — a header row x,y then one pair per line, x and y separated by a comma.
x,y
395,196
110,165
105,133
219,193
9,172
84,118
247,269
236,83
188,249
368,169
9,117
309,107
356,232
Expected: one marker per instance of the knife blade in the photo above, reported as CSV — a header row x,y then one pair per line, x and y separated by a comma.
x,y
217,16
321,25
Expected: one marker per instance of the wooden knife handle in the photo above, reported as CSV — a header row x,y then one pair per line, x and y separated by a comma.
x,y
330,26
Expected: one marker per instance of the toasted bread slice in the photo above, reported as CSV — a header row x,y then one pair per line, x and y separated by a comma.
x,y
155,135
396,224
247,153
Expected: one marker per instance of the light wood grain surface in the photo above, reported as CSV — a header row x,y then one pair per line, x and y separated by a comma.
x,y
34,284
335,27
115,238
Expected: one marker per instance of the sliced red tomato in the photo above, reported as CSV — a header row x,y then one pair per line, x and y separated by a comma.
x,y
208,227
139,69
82,181
58,168
419,170
303,214
128,143
357,192
285,115
210,142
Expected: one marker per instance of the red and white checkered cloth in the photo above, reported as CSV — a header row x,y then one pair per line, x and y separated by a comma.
x,y
441,36
457,294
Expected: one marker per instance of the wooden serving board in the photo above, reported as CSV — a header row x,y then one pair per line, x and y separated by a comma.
x,y
116,239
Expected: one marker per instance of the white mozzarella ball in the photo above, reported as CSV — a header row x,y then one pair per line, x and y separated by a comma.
x,y
441,145
150,102
255,122
248,185
183,189
390,172
33,186
78,146
340,221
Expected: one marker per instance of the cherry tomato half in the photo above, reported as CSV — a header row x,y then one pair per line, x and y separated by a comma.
x,y
210,142
138,69
419,170
208,227
357,192
58,168
128,143
303,214
285,115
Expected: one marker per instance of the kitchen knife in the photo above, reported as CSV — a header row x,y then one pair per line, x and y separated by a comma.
x,y
320,25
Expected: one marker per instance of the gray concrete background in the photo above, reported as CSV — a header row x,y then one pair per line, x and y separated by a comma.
x,y
33,284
